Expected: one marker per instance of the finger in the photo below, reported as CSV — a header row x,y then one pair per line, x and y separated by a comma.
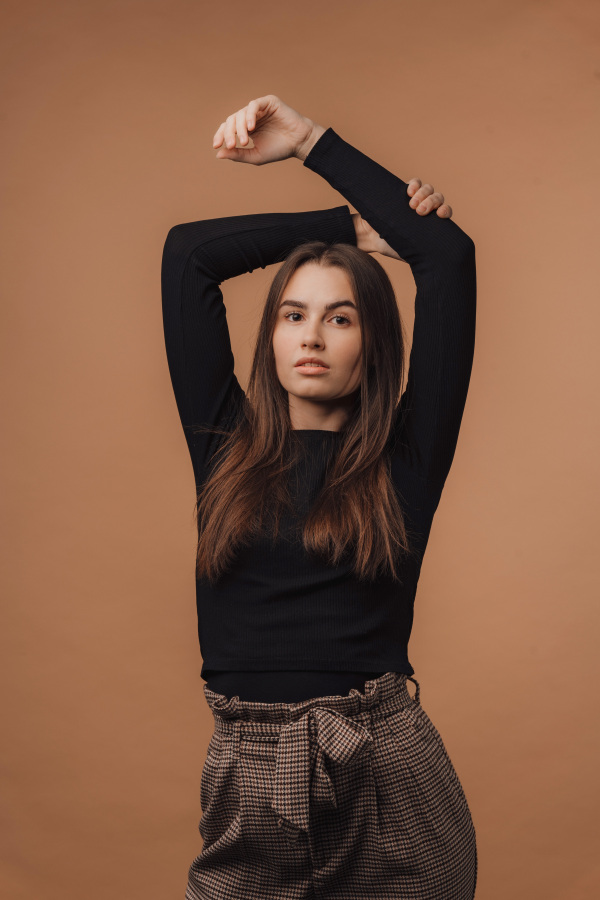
x,y
230,131
424,191
234,154
240,124
240,154
445,211
258,108
432,202
421,194
251,115
413,185
218,138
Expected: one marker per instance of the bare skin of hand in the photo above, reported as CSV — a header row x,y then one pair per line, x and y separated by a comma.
x,y
279,132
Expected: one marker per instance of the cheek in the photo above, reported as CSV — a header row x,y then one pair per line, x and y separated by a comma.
x,y
276,344
280,349
351,353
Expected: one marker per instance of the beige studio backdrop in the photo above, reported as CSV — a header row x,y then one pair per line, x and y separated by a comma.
x,y
109,112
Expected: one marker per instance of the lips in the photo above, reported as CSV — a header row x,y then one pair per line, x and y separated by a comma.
x,y
307,360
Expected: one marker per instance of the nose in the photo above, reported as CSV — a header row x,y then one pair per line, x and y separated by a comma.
x,y
311,336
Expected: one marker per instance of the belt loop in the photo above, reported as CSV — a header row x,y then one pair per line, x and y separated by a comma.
x,y
371,716
235,737
418,691
369,694
369,701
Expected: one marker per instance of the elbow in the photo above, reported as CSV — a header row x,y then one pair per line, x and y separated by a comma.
x,y
173,240
457,249
465,246
460,243
457,258
182,240
464,255
175,254
179,244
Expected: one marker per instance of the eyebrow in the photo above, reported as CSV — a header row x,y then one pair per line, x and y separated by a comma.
x,y
334,305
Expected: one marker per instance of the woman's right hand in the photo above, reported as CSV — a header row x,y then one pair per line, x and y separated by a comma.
x,y
277,131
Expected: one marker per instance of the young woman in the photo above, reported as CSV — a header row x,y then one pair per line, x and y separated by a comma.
x,y
316,491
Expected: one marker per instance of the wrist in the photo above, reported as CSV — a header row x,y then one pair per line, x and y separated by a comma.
x,y
361,238
303,149
364,236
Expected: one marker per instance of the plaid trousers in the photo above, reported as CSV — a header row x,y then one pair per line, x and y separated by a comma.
x,y
332,798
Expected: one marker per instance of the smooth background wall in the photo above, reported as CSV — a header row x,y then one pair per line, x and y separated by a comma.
x,y
109,109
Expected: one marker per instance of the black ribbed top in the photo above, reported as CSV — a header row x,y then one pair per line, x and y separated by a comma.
x,y
277,608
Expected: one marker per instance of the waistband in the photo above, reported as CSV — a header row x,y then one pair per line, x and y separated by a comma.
x,y
306,732
384,694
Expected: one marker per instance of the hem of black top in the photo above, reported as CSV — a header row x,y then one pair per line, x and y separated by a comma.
x,y
277,664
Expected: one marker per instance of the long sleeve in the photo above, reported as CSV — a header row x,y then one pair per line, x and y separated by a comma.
x,y
442,260
197,257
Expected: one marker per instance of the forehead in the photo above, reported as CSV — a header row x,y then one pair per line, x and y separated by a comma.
x,y
315,284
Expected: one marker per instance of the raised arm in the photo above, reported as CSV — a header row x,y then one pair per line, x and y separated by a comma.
x,y
442,260
197,257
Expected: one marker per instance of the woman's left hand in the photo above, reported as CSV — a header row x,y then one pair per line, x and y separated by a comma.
x,y
423,199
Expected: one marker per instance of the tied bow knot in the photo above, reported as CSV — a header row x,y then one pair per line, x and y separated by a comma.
x,y
337,737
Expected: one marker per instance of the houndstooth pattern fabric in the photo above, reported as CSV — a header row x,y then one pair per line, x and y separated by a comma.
x,y
333,798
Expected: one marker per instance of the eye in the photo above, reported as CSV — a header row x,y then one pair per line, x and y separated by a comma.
x,y
337,316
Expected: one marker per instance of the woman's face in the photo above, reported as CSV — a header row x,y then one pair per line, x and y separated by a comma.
x,y
305,327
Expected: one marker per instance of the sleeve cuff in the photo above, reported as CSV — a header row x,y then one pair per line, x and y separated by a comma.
x,y
345,232
319,149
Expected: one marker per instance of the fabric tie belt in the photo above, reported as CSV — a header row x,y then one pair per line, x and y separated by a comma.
x,y
339,738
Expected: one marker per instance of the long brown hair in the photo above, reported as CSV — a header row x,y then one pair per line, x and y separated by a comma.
x,y
357,514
